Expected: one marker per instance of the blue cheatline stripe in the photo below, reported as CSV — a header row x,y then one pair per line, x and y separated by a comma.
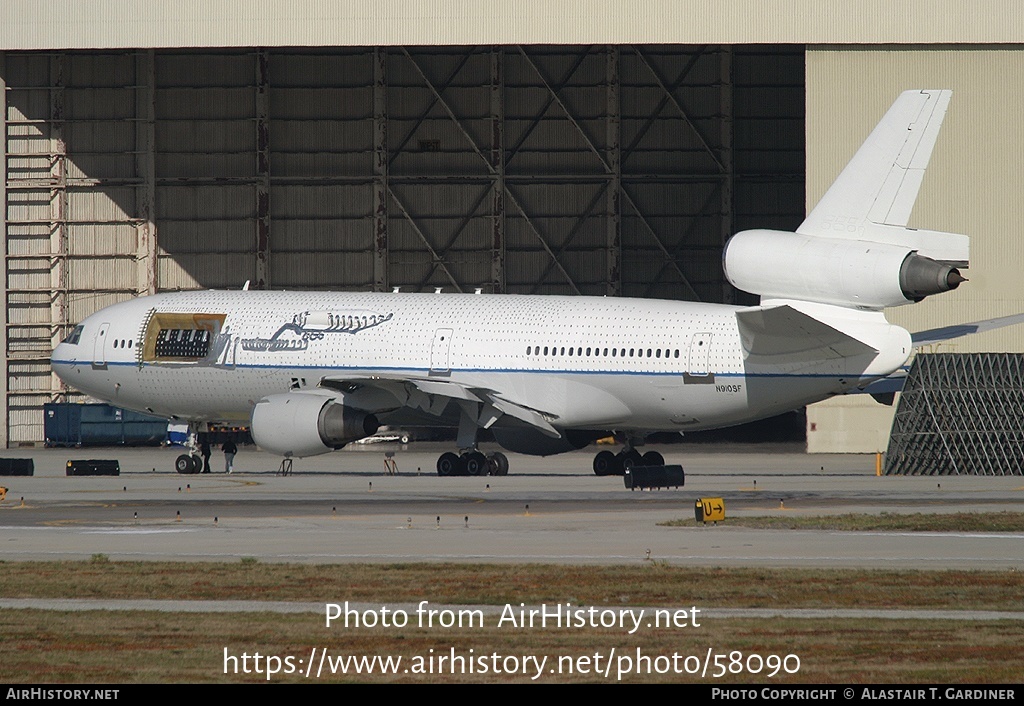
x,y
447,373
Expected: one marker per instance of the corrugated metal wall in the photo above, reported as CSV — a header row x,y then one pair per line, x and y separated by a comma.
x,y
594,170
88,24
71,223
205,164
972,186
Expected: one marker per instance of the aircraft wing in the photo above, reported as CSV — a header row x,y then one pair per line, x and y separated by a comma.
x,y
484,406
784,331
945,333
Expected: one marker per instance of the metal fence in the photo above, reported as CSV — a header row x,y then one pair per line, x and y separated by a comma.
x,y
960,414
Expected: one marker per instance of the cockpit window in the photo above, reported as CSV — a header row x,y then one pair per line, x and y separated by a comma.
x,y
75,334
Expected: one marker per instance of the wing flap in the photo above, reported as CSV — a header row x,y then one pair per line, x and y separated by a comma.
x,y
433,397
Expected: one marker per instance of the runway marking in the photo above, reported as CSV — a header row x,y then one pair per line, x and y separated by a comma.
x,y
102,530
60,524
29,527
236,481
127,530
758,560
959,535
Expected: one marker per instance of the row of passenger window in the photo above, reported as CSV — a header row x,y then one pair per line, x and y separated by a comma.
x,y
121,343
592,352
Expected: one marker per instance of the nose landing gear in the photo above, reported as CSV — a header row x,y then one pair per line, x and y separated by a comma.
x,y
191,462
188,464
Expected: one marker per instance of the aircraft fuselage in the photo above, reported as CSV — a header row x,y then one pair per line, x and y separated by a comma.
x,y
582,362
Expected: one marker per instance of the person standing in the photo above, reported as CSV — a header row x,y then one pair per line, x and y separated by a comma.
x,y
204,449
230,450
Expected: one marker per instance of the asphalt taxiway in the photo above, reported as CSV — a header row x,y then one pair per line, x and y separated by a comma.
x,y
343,507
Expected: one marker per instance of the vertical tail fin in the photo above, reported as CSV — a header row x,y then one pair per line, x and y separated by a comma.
x,y
873,196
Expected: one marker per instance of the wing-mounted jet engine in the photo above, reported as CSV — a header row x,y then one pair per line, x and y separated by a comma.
x,y
307,424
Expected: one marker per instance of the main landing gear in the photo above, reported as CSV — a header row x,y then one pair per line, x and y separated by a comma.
x,y
608,464
472,463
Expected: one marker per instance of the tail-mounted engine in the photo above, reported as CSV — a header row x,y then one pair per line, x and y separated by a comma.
x,y
869,275
307,424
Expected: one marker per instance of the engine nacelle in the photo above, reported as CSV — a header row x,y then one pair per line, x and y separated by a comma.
x,y
535,443
307,424
859,273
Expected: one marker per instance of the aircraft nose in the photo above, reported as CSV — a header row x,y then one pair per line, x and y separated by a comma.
x,y
59,360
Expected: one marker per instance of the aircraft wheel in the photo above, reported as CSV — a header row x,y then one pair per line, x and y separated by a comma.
x,y
197,463
498,464
448,464
652,458
605,463
475,463
628,459
184,464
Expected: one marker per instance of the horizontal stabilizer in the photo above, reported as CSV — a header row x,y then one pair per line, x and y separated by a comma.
x,y
951,248
894,382
883,387
937,335
784,331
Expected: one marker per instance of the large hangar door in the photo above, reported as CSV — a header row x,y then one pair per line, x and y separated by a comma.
x,y
603,170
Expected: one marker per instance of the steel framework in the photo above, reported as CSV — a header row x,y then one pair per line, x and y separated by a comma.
x,y
960,414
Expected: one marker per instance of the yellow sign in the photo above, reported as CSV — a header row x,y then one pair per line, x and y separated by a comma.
x,y
3,493
709,509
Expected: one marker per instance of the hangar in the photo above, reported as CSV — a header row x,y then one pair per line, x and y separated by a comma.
x,y
519,146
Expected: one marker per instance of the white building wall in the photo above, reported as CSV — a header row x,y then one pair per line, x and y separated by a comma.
x,y
104,24
972,186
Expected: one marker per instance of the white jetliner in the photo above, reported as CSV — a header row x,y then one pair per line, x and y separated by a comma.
x,y
312,371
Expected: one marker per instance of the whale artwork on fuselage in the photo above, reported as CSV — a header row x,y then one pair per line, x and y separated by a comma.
x,y
312,371
313,326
